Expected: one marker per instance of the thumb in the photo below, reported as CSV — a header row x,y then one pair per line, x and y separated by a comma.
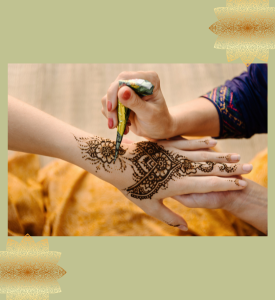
x,y
164,214
131,100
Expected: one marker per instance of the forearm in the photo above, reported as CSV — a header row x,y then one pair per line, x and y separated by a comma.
x,y
33,131
198,117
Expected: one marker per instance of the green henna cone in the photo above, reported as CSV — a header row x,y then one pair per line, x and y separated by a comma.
x,y
142,88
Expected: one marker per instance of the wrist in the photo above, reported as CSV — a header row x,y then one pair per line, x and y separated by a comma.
x,y
176,127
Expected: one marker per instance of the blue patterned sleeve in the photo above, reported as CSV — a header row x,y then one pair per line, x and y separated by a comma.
x,y
242,103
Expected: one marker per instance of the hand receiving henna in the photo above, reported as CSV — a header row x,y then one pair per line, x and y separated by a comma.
x,y
147,172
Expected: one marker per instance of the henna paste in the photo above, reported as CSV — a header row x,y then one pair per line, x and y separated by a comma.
x,y
236,181
101,152
227,157
153,167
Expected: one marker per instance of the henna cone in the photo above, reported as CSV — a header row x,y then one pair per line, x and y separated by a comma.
x,y
142,88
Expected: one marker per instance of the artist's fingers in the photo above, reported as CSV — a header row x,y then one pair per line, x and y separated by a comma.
x,y
211,156
218,169
131,100
104,107
111,104
126,131
189,144
157,209
207,184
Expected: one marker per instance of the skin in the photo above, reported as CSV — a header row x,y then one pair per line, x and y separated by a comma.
x,y
31,130
151,118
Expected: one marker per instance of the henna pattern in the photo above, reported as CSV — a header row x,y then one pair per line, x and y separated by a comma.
x,y
153,167
101,152
227,157
236,181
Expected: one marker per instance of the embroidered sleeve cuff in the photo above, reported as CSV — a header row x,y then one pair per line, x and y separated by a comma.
x,y
231,119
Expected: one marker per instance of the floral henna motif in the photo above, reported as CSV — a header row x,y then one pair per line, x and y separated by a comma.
x,y
100,152
153,167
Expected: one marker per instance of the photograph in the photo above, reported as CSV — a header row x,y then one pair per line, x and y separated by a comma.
x,y
137,149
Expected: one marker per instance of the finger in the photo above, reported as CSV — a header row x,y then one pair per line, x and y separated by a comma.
x,y
190,144
163,213
131,100
208,184
111,103
211,156
126,131
104,108
218,169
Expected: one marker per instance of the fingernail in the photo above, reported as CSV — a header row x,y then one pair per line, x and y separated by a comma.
x,y
110,123
109,105
235,157
247,168
242,183
212,143
126,95
183,227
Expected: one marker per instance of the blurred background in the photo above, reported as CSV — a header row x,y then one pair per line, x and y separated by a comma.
x,y
73,92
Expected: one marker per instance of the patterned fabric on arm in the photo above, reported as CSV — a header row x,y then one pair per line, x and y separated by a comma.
x,y
231,119
242,103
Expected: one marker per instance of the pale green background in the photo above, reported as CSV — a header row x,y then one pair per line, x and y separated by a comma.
x,y
138,267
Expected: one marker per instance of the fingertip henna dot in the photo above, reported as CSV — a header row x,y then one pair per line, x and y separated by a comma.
x,y
227,157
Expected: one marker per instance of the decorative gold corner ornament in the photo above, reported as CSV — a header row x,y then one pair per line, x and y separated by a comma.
x,y
28,270
246,29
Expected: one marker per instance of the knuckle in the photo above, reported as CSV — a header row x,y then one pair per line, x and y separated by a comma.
x,y
136,102
123,74
154,75
103,111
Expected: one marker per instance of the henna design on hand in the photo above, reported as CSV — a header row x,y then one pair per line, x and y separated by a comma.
x,y
205,141
154,167
101,152
236,181
227,157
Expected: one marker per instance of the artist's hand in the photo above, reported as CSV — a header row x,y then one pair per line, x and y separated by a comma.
x,y
249,204
149,116
154,173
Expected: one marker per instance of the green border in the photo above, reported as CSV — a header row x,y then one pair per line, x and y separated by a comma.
x,y
147,32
